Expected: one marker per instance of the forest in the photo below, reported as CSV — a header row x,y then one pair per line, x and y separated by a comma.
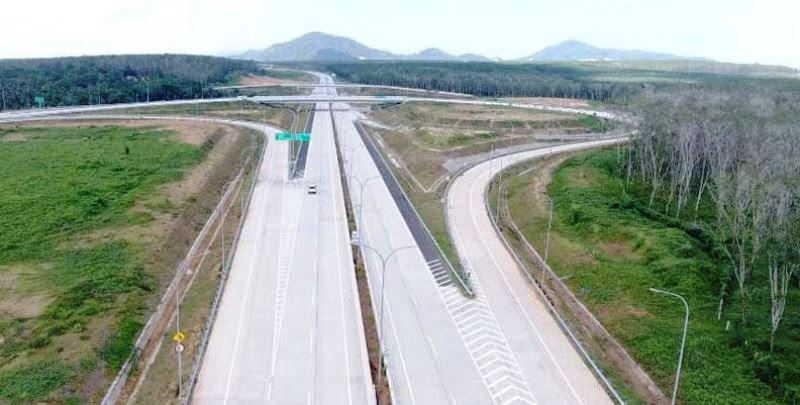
x,y
114,79
724,165
590,81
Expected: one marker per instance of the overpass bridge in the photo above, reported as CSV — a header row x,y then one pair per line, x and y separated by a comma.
x,y
18,115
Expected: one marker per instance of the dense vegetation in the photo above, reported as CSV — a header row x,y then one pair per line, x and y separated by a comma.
x,y
610,246
725,164
114,79
591,81
62,191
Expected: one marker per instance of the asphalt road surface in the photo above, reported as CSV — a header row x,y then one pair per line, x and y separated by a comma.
x,y
289,329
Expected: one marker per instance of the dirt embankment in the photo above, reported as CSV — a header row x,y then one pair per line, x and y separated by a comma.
x,y
252,80
598,341
550,101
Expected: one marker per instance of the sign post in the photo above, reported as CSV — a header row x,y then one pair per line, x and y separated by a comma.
x,y
39,100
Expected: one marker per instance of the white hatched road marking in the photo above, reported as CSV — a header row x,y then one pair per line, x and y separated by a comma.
x,y
483,339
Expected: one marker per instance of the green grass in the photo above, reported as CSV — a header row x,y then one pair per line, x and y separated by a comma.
x,y
60,187
595,124
610,248
241,110
295,75
36,381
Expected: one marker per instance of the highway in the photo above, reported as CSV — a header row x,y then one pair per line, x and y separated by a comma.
x,y
503,346
552,366
320,94
426,360
289,329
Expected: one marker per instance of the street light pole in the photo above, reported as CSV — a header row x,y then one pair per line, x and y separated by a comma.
x,y
361,196
351,150
683,339
384,261
549,228
222,219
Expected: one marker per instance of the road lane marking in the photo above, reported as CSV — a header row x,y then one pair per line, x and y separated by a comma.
x,y
291,204
248,288
499,271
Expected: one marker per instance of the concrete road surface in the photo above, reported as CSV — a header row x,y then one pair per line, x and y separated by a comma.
x,y
551,366
427,362
502,347
289,329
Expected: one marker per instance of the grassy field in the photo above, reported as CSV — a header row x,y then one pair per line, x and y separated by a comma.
x,y
241,110
289,75
424,137
80,206
610,248
442,126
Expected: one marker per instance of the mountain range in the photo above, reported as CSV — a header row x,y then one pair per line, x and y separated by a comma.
x,y
318,46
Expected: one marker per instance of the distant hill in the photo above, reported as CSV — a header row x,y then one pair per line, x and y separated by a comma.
x,y
438,54
318,46
581,51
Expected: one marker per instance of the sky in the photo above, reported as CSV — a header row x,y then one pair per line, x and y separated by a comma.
x,y
742,31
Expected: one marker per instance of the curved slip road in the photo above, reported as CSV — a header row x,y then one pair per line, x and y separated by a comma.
x,y
551,366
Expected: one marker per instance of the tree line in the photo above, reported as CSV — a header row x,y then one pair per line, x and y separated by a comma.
x,y
114,79
481,79
599,81
728,161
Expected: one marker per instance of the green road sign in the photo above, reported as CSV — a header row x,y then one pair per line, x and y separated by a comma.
x,y
300,136
39,100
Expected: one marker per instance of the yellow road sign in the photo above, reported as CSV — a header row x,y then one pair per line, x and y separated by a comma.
x,y
179,337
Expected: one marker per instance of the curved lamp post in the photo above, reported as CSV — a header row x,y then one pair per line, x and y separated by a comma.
x,y
683,340
384,261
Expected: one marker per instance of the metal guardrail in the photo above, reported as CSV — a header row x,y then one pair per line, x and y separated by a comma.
x,y
561,322
147,334
461,276
200,353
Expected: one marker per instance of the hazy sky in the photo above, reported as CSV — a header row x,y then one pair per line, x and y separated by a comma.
x,y
764,31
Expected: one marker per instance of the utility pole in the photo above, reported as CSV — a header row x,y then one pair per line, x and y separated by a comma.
x,y
499,188
547,243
